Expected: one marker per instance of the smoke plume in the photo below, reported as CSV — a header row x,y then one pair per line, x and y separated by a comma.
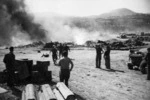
x,y
16,25
59,29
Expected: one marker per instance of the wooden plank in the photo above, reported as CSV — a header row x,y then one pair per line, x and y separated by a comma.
x,y
2,90
23,96
48,93
58,95
65,91
41,96
30,92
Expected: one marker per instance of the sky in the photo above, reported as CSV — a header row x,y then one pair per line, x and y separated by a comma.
x,y
85,7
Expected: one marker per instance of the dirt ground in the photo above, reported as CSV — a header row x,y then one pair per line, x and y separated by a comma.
x,y
90,83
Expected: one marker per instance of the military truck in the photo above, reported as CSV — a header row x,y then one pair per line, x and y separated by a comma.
x,y
137,62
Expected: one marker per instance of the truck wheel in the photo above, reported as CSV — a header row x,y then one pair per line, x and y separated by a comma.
x,y
143,71
130,66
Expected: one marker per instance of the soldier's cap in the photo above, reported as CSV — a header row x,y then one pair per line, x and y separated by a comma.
x,y
11,48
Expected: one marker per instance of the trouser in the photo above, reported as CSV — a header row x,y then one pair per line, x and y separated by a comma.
x,y
143,66
148,72
60,54
54,58
64,76
98,61
107,62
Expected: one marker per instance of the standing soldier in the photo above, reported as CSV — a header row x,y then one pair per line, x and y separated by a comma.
x,y
65,68
60,48
54,54
107,56
98,55
66,49
9,60
148,63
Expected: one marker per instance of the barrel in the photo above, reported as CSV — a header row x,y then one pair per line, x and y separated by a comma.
x,y
48,75
43,67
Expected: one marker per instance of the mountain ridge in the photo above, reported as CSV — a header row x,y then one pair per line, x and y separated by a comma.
x,y
116,21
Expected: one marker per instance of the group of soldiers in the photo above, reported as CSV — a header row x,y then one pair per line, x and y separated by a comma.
x,y
99,50
65,62
58,50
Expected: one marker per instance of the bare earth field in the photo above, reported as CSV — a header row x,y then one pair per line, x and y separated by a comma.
x,y
89,83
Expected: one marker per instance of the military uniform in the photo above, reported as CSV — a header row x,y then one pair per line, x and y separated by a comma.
x,y
9,60
107,57
98,56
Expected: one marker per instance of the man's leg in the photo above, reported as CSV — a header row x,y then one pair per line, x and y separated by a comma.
x,y
67,76
148,72
61,77
96,61
99,62
107,62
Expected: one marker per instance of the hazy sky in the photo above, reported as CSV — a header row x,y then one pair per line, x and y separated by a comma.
x,y
85,7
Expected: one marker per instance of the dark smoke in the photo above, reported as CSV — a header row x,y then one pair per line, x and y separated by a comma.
x,y
13,18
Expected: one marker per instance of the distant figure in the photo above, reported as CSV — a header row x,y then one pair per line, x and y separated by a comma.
x,y
131,53
98,55
54,54
45,55
60,48
107,57
65,68
148,63
9,60
66,49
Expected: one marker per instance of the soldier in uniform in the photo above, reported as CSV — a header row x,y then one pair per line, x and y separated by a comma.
x,y
107,56
66,49
60,48
98,55
9,60
148,63
65,68
54,54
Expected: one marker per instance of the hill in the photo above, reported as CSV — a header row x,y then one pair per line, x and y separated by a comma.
x,y
120,20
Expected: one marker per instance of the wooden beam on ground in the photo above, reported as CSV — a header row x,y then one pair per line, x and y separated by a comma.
x,y
58,95
2,90
41,96
30,92
65,91
23,96
48,93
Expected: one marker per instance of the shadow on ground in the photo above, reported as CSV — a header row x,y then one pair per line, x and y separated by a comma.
x,y
79,97
113,70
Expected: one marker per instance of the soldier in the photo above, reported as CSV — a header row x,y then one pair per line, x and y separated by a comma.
x,y
60,48
9,60
66,49
54,54
107,56
98,55
65,68
148,63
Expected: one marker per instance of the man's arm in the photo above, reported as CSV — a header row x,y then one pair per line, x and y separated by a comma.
x,y
4,60
58,64
72,65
